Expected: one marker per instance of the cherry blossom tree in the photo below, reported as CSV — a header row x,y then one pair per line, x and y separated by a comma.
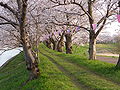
x,y
14,16
89,10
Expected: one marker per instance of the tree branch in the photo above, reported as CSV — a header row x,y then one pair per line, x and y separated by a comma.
x,y
5,23
70,25
79,4
9,21
104,21
9,8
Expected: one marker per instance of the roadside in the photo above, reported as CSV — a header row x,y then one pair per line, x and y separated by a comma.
x,y
108,57
105,53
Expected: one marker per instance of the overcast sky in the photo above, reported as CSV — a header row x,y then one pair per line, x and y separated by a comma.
x,y
112,29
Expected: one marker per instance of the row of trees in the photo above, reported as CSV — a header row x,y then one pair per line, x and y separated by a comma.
x,y
86,18
28,22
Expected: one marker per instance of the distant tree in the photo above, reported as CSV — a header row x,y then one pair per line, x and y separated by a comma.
x,y
105,38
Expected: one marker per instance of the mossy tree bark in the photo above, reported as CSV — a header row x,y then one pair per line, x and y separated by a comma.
x,y
20,24
55,45
92,33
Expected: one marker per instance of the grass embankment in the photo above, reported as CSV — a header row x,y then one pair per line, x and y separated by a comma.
x,y
61,72
103,69
108,49
15,73
51,78
84,76
105,48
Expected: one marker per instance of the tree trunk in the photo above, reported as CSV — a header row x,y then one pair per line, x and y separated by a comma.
x,y
31,60
118,63
48,44
55,45
68,43
92,48
54,42
60,46
60,43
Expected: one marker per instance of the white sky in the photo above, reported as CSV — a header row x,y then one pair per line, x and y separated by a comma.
x,y
113,28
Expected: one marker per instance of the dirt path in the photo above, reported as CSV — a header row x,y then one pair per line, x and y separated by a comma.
x,y
88,70
78,74
67,73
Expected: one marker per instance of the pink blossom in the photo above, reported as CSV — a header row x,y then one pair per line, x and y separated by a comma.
x,y
94,26
118,18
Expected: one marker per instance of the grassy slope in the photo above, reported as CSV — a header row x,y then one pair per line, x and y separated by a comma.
x,y
14,74
106,48
51,78
101,68
84,77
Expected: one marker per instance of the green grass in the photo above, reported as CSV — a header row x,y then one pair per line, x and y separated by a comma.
x,y
105,45
83,75
84,49
80,50
51,78
13,74
89,73
106,48
104,69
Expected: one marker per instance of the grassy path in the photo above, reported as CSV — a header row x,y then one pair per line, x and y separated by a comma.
x,y
60,71
51,78
83,76
84,67
67,73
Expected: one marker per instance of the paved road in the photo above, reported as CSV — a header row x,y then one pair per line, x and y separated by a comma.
x,y
107,59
